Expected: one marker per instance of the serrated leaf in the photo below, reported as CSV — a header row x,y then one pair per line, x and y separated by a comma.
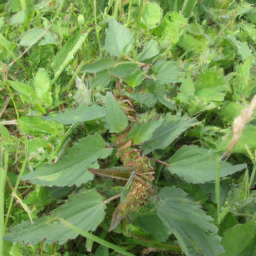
x,y
142,132
198,165
31,35
212,78
240,240
81,114
18,17
119,39
135,78
84,210
66,53
167,72
241,47
210,95
156,227
102,79
151,16
167,133
98,65
196,233
42,86
36,125
149,51
124,69
117,120
72,168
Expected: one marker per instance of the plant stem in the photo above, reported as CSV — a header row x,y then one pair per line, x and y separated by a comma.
x,y
16,187
3,174
217,188
96,24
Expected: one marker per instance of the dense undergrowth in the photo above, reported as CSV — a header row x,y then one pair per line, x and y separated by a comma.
x,y
127,127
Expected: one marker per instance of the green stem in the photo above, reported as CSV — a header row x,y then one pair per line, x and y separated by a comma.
x,y
72,80
217,188
13,101
96,24
3,175
252,178
95,238
16,187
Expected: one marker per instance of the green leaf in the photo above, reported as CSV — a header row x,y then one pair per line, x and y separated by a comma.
x,y
119,39
151,16
98,65
117,120
102,79
72,168
42,86
142,132
66,53
241,47
212,78
210,95
124,69
148,99
167,133
156,227
36,125
6,48
240,240
85,210
81,114
198,165
31,35
25,90
196,233
135,78
187,8
167,72
149,51
18,17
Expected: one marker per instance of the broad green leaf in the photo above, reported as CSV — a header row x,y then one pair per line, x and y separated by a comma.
x,y
72,168
194,230
147,99
242,48
170,29
85,210
66,53
240,240
135,78
98,65
212,78
119,39
167,133
151,16
209,94
18,17
42,86
150,50
116,118
167,72
165,101
124,69
198,165
102,79
36,125
156,227
142,132
31,35
81,114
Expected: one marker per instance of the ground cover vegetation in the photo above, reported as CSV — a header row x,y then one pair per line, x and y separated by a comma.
x,y
127,127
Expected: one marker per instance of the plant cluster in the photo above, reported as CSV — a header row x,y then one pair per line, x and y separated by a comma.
x,y
127,127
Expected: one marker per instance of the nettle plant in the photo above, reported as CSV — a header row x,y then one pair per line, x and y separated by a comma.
x,y
136,148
